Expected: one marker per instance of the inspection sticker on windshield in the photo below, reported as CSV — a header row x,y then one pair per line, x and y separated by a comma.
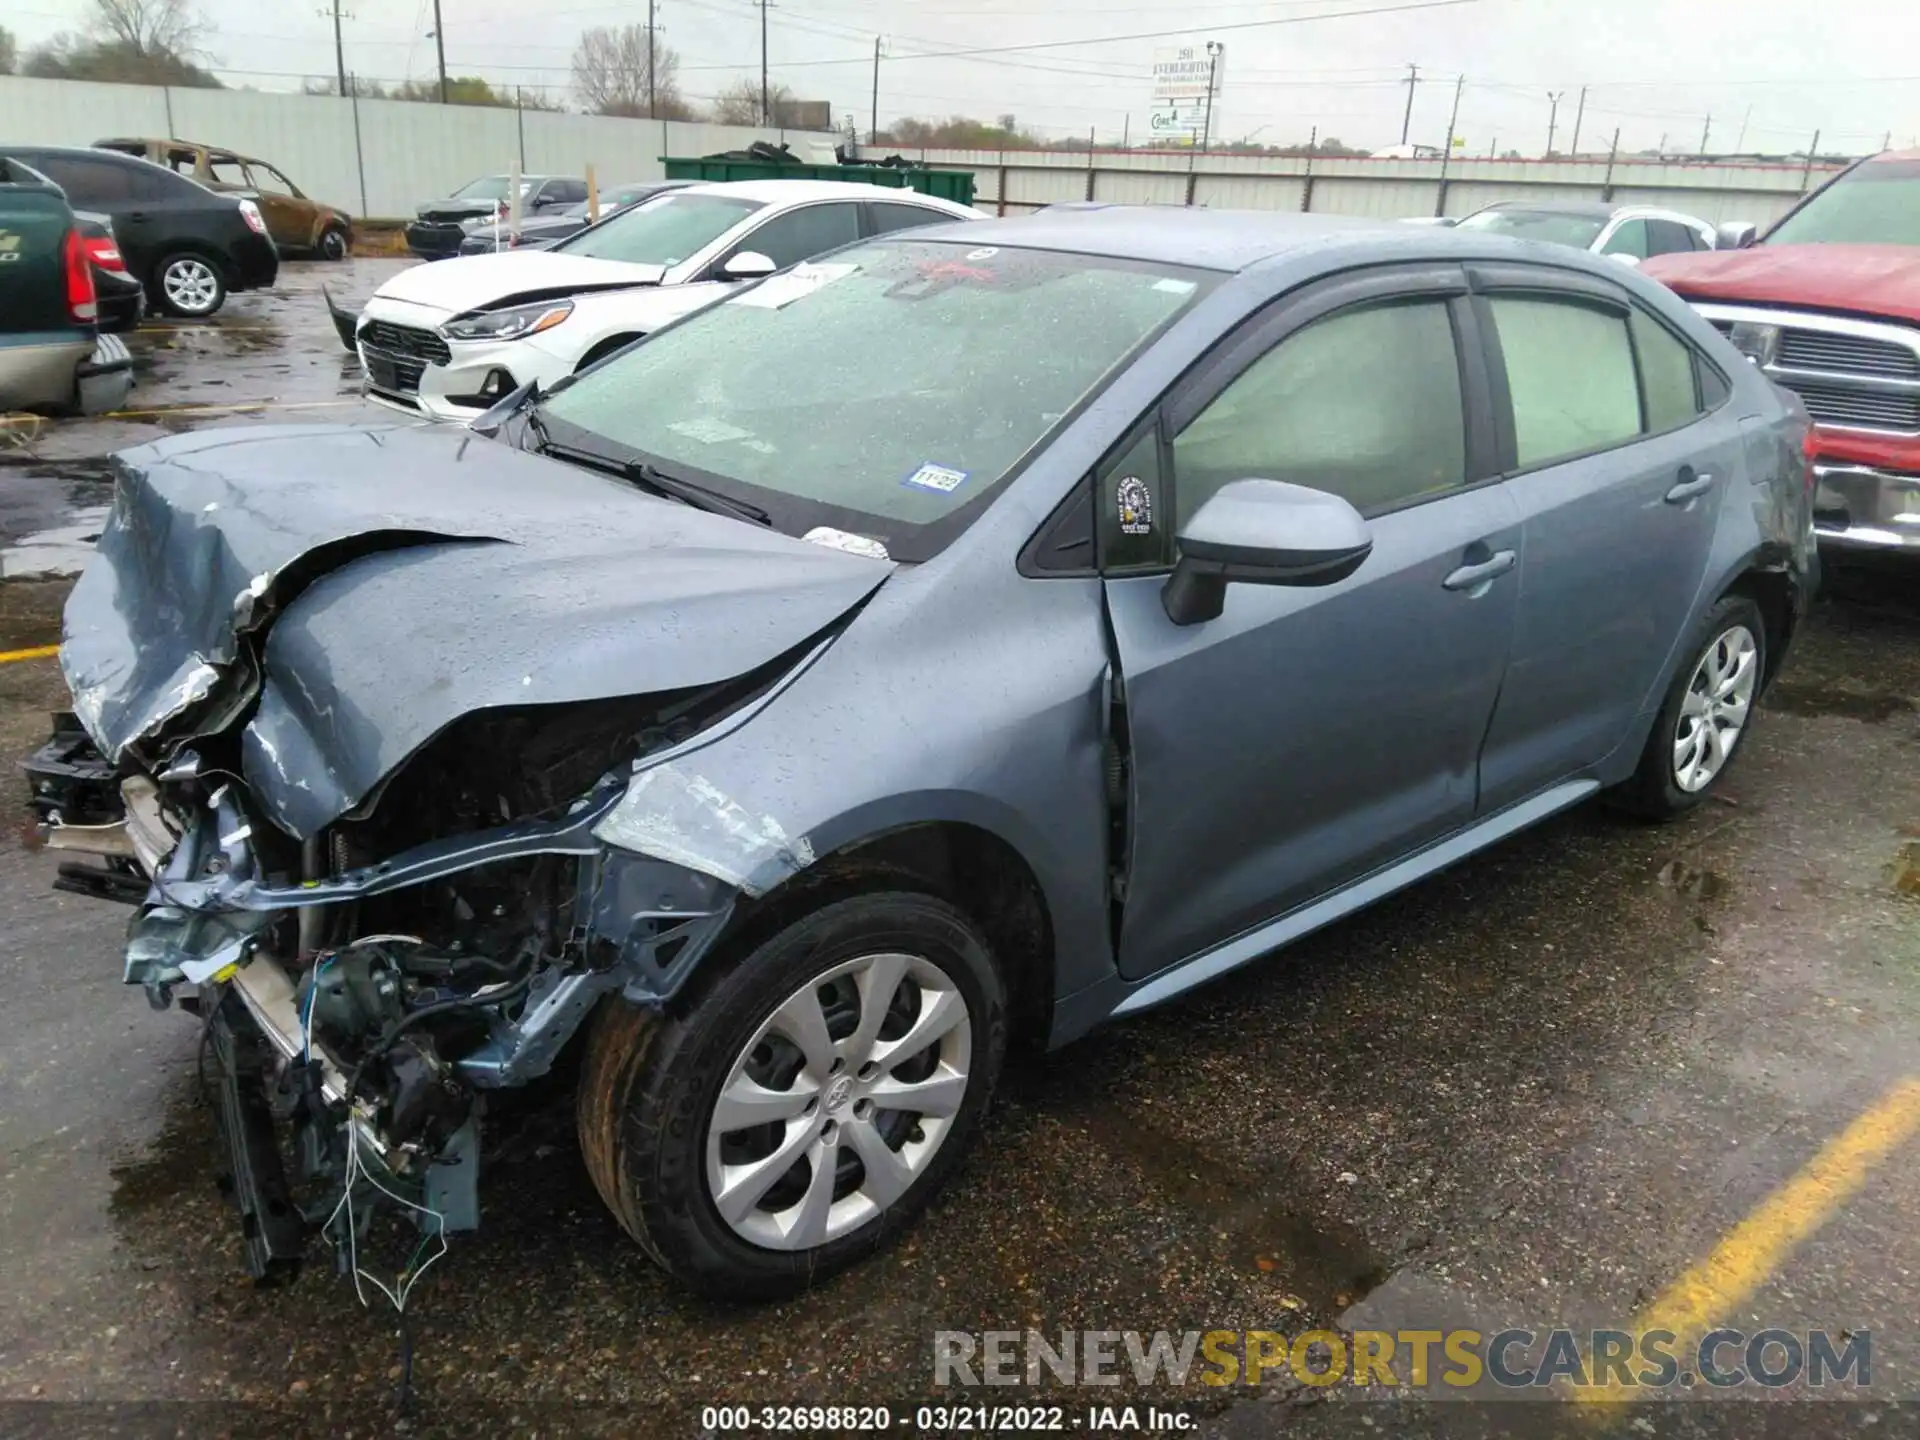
x,y
940,479
778,291
708,431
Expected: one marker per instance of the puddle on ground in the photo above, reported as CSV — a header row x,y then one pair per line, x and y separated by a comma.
x,y
1805,699
1691,880
1327,1263
56,553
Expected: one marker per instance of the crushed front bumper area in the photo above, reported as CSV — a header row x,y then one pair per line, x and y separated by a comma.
x,y
327,1123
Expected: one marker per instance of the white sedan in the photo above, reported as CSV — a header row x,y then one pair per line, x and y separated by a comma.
x,y
450,339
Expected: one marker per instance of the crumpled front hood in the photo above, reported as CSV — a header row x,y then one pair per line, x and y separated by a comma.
x,y
1860,279
468,282
402,578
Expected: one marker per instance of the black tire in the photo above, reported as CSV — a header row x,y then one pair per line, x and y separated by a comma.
x,y
605,348
649,1083
164,291
334,244
1653,793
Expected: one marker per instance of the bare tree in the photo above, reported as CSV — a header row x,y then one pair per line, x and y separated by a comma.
x,y
149,29
613,76
739,104
9,52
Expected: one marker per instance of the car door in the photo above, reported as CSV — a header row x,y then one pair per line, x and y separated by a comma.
x,y
1618,477
291,217
790,236
1309,735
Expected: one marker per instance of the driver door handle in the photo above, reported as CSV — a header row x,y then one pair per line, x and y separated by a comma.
x,y
1688,486
1467,577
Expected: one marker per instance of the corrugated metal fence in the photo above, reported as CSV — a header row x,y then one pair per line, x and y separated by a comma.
x,y
371,157
1014,181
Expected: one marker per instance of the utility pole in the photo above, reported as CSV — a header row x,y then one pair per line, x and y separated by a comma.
x,y
339,49
650,50
440,49
766,107
1446,155
1705,131
1579,114
1740,142
1887,144
1806,175
1213,66
1553,116
1406,120
873,130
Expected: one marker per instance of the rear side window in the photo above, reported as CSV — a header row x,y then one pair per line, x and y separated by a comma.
x,y
1666,374
1364,404
890,215
1570,371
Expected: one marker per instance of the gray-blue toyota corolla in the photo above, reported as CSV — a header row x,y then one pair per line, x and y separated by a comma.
x,y
991,626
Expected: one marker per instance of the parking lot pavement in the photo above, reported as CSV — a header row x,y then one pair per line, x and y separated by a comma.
x,y
1532,1091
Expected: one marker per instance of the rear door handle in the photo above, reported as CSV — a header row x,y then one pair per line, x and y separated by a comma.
x,y
138,217
1688,487
1468,577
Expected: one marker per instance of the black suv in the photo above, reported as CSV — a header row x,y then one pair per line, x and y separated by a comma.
x,y
188,245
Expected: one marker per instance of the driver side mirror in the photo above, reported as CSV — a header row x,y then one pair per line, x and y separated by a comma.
x,y
1262,532
748,265
1735,235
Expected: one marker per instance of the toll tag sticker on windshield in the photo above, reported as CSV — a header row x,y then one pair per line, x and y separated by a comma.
x,y
778,291
708,431
940,479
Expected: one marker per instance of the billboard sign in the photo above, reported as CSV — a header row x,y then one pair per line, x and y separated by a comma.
x,y
1181,72
1177,120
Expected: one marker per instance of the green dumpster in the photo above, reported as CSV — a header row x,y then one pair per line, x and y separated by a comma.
x,y
955,185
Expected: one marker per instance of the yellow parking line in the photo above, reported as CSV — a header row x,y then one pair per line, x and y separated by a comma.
x,y
38,652
238,407
1785,1220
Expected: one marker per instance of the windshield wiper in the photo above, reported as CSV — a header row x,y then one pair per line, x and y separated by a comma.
x,y
701,497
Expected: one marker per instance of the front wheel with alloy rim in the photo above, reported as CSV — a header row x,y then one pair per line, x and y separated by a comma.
x,y
190,285
333,243
1707,712
810,1098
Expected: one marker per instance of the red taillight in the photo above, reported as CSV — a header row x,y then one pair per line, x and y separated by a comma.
x,y
104,253
82,305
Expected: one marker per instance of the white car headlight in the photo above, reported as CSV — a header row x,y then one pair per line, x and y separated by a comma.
x,y
511,324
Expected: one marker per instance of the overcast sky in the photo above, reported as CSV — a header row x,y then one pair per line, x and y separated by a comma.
x,y
1769,72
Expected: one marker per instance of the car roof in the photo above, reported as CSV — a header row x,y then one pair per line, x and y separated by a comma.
x,y
1595,209
787,192
1167,234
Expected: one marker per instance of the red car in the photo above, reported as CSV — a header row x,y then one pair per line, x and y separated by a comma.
x,y
1827,303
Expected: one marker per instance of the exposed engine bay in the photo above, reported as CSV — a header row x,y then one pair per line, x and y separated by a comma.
x,y
364,988
393,778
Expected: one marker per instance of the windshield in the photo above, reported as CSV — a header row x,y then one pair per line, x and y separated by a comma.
x,y
663,231
881,391
493,187
1876,204
1556,228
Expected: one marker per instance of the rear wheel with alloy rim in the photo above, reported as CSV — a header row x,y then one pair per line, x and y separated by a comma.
x,y
811,1099
190,285
1707,712
333,243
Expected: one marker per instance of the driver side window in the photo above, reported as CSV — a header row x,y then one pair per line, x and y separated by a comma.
x,y
1364,404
